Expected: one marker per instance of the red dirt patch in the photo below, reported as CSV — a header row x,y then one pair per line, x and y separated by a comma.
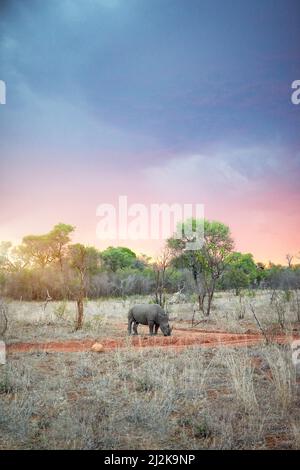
x,y
182,337
278,442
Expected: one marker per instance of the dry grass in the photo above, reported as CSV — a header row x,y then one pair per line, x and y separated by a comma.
x,y
241,372
33,321
283,376
151,398
295,427
148,399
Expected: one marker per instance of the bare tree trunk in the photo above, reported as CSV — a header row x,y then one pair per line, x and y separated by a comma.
x,y
160,268
157,287
200,302
200,291
80,303
211,291
209,300
201,298
79,313
48,298
161,288
193,317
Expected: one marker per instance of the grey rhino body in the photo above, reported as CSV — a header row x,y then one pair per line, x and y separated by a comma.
x,y
148,314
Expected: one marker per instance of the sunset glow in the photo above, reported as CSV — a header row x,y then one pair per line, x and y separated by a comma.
x,y
155,101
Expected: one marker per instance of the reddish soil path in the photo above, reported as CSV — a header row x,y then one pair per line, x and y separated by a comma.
x,y
182,337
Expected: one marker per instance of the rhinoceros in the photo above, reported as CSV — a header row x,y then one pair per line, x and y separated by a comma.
x,y
148,314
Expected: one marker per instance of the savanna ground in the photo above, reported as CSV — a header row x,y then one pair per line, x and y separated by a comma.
x,y
219,391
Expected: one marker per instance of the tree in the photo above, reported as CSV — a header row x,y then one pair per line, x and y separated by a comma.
x,y
160,269
36,250
9,259
59,237
289,259
192,260
207,263
84,260
241,271
115,258
43,249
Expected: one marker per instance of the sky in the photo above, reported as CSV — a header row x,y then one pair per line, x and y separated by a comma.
x,y
164,101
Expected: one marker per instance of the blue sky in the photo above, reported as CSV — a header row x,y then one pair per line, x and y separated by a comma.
x,y
105,96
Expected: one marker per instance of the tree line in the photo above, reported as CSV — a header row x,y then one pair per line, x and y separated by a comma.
x,y
51,266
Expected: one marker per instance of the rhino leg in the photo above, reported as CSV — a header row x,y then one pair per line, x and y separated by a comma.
x,y
156,326
129,325
135,325
151,325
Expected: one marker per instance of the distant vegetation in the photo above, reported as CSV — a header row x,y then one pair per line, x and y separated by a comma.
x,y
49,266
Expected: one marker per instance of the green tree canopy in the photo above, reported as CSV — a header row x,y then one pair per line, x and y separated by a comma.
x,y
241,271
115,258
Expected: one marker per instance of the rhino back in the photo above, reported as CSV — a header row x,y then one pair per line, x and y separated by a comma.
x,y
143,313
